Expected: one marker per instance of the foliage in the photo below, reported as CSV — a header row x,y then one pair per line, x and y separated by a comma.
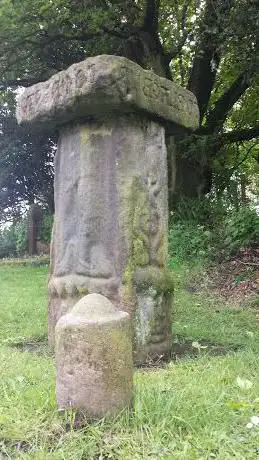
x,y
46,228
241,229
14,238
206,211
21,236
211,229
210,47
189,240
26,164
236,172
7,242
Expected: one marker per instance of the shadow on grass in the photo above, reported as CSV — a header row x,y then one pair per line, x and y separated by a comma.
x,y
38,345
182,349
9,446
188,349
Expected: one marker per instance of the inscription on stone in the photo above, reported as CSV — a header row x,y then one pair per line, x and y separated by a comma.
x,y
61,87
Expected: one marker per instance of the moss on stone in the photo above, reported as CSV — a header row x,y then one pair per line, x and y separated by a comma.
x,y
160,280
138,230
139,275
83,290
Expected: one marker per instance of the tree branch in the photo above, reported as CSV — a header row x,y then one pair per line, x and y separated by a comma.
x,y
218,114
238,135
247,153
115,32
45,40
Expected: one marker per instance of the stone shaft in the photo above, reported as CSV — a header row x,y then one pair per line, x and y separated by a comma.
x,y
94,358
110,221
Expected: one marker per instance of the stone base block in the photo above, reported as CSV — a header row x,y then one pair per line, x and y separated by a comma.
x,y
94,358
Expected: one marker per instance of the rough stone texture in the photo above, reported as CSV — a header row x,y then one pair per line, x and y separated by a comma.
x,y
111,219
102,84
153,319
94,358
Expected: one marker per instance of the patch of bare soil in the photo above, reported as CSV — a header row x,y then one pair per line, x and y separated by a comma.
x,y
8,445
37,345
237,279
183,349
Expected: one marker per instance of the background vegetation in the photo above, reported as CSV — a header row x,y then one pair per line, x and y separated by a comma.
x,y
208,46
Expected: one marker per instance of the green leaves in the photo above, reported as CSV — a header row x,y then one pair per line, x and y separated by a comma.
x,y
242,229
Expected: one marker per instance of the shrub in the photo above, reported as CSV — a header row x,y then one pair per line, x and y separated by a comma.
x,y
188,240
208,229
21,236
46,228
241,229
7,242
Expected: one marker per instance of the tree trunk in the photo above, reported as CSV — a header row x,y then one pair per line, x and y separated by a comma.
x,y
34,221
189,168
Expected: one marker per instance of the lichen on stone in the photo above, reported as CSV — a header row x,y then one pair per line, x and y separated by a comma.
x,y
137,222
83,290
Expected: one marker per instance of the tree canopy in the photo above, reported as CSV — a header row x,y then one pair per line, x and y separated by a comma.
x,y
207,46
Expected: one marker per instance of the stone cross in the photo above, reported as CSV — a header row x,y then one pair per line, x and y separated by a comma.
x,y
110,227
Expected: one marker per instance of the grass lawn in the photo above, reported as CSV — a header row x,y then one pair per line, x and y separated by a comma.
x,y
197,407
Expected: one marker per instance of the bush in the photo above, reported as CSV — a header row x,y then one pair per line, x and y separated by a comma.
x,y
207,229
7,242
241,229
14,239
206,211
188,240
21,236
46,228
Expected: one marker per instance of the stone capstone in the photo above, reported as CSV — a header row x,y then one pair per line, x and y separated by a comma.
x,y
94,358
103,84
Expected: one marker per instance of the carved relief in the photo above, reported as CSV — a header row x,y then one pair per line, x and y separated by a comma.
x,y
80,78
123,82
113,79
31,100
152,318
147,223
84,76
156,229
61,87
152,89
159,91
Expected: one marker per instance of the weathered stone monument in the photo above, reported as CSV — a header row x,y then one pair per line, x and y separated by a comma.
x,y
94,358
110,229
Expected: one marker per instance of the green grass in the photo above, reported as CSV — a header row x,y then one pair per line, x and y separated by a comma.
x,y
193,409
202,316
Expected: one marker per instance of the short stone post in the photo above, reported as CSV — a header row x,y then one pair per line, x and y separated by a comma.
x,y
94,358
111,204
